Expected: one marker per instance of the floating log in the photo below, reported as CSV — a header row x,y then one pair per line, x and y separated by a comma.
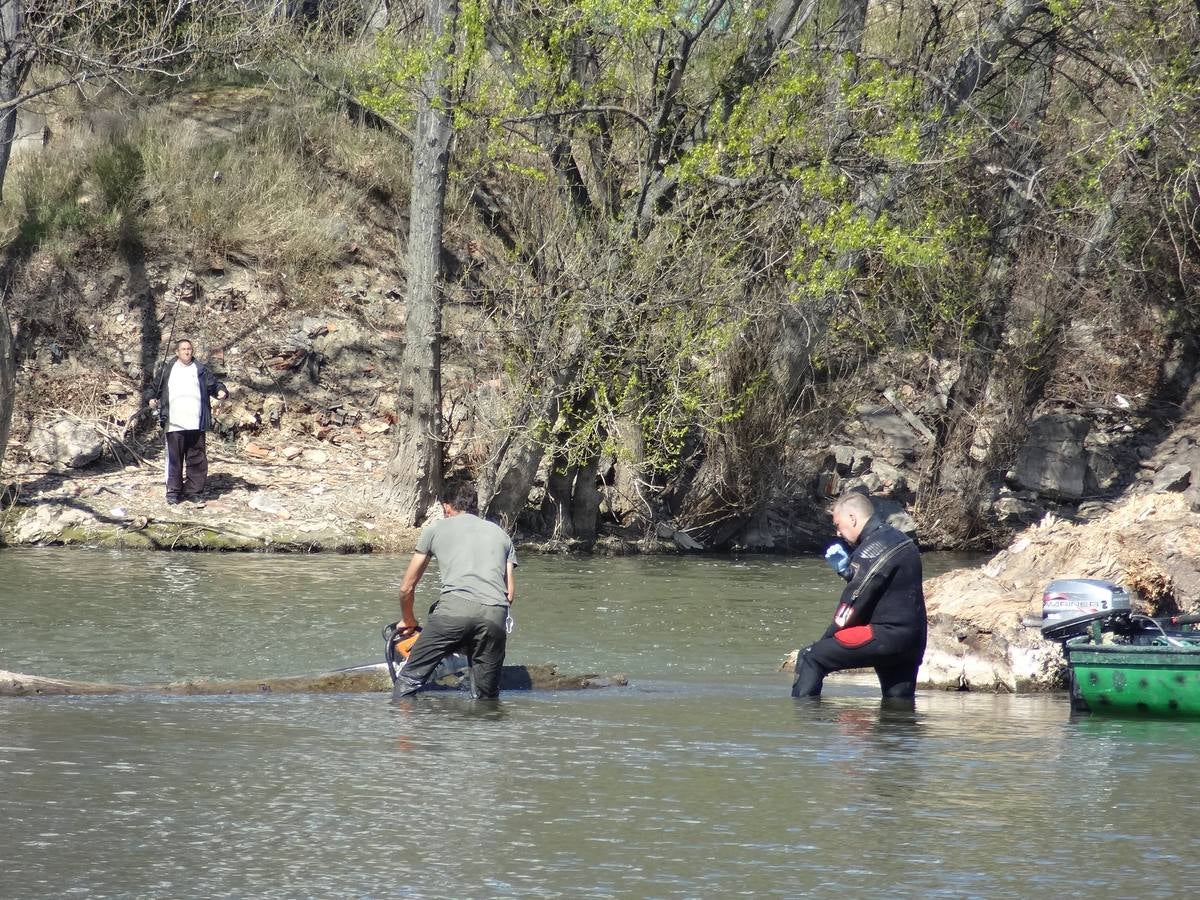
x,y
363,679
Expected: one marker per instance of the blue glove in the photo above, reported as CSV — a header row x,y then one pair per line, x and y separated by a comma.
x,y
838,558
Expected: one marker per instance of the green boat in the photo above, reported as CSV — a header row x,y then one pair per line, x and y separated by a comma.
x,y
1122,663
1155,679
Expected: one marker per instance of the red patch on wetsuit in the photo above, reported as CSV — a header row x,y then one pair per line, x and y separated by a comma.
x,y
855,636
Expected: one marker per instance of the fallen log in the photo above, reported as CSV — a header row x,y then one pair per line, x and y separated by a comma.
x,y
362,679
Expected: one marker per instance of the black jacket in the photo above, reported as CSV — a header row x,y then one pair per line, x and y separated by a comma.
x,y
885,588
209,388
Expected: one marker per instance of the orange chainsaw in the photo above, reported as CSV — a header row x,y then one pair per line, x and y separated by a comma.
x,y
397,644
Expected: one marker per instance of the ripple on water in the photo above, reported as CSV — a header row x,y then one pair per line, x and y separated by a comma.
x,y
711,781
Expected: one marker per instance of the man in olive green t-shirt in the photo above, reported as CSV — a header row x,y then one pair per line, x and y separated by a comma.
x,y
476,560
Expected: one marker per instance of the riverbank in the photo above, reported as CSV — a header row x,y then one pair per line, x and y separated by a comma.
x,y
322,500
311,504
285,270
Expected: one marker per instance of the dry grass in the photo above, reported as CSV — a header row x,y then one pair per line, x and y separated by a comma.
x,y
275,179
251,196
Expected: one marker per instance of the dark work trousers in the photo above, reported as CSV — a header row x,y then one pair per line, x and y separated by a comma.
x,y
185,449
481,637
896,657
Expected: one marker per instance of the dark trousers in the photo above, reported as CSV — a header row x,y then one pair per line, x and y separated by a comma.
x,y
481,637
186,449
896,658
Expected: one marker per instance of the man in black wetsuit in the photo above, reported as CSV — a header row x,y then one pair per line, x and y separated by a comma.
x,y
880,620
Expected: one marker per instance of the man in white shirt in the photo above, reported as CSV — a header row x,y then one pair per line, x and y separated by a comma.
x,y
182,395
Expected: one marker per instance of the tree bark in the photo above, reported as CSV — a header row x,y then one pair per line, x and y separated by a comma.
x,y
14,66
416,466
7,381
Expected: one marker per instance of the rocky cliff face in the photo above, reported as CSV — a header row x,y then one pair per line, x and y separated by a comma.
x,y
1148,541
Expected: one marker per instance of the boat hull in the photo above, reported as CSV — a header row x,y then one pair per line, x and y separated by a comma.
x,y
1125,679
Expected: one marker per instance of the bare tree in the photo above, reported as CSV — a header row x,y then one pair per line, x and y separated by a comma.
x,y
16,56
7,375
80,41
416,465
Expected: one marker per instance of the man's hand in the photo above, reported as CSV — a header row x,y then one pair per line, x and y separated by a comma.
x,y
837,558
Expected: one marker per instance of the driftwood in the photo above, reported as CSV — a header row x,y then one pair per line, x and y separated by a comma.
x,y
364,679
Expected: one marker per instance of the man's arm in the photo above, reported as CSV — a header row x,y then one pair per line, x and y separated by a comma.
x,y
152,395
510,582
870,580
408,587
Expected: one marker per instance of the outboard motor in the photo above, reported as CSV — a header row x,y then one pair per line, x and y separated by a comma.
x,y
1070,605
1069,598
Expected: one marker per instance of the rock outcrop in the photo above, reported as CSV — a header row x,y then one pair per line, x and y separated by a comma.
x,y
1149,544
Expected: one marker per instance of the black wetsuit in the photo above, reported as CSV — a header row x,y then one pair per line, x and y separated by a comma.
x,y
880,620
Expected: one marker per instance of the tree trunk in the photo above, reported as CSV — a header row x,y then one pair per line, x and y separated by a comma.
x,y
416,467
514,465
506,485
14,66
628,500
572,506
7,381
585,500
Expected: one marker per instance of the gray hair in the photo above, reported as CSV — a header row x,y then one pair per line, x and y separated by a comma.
x,y
854,502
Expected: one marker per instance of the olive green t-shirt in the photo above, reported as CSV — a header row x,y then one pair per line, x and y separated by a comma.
x,y
473,556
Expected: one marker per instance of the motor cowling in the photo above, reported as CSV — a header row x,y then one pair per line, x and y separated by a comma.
x,y
1070,598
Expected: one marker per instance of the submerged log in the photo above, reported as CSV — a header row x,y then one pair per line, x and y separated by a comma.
x,y
365,679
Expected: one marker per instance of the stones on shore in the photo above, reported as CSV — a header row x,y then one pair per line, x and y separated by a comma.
x,y
268,504
1052,461
255,450
66,442
1174,478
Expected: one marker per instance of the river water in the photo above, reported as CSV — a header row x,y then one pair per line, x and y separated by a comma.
x,y
703,778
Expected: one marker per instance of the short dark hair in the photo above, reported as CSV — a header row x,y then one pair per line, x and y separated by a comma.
x,y
187,341
462,496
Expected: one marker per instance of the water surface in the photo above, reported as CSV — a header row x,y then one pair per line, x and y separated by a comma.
x,y
701,779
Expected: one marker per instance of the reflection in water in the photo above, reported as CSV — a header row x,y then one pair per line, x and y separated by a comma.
x,y
878,743
457,705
